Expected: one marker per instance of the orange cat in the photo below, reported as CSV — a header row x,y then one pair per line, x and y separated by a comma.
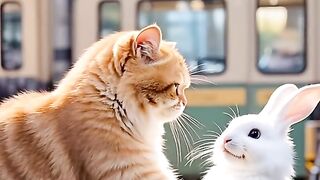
x,y
104,120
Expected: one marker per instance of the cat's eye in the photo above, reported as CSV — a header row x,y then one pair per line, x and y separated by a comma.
x,y
176,85
254,133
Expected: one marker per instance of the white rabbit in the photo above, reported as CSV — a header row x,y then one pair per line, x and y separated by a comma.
x,y
257,146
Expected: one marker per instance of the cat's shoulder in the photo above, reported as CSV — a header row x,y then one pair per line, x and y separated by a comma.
x,y
24,96
23,102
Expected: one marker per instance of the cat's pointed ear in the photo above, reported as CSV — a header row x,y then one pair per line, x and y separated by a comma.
x,y
147,43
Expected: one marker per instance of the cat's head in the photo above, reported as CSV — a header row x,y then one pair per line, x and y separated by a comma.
x,y
154,75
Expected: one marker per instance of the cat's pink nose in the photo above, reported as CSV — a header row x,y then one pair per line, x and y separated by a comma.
x,y
227,140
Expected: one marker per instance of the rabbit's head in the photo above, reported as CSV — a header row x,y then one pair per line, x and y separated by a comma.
x,y
260,142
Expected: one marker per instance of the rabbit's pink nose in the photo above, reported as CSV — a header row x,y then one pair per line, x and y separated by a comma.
x,y
227,140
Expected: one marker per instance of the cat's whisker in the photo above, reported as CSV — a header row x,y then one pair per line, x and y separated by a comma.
x,y
203,149
200,76
214,132
225,113
179,136
191,87
207,162
183,120
200,81
199,153
218,128
195,79
238,111
204,140
180,140
206,154
198,65
234,113
199,144
194,82
201,70
180,130
211,135
176,140
192,69
193,120
205,144
184,129
185,136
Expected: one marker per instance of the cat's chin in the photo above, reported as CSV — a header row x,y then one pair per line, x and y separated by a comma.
x,y
165,113
174,113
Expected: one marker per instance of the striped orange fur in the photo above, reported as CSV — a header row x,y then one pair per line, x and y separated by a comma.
x,y
105,118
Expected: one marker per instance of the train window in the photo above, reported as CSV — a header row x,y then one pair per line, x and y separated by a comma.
x,y
281,30
109,13
197,26
11,51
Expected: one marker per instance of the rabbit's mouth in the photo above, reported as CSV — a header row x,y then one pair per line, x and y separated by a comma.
x,y
233,155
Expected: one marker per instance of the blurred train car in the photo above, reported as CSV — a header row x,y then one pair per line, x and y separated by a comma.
x,y
25,46
238,50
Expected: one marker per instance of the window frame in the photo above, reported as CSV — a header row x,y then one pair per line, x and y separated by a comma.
x,y
2,36
226,32
100,4
305,42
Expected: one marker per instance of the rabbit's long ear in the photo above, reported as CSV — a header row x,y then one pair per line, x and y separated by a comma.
x,y
278,98
299,106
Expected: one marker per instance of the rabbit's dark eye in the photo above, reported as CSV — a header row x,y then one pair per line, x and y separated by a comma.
x,y
254,133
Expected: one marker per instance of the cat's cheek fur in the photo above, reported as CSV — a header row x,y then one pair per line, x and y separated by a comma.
x,y
165,114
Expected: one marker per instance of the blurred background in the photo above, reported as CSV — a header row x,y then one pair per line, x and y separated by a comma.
x,y
239,52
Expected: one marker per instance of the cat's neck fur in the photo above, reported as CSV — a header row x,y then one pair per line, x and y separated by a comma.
x,y
145,128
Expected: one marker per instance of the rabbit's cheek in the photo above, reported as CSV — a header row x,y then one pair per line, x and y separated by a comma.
x,y
219,145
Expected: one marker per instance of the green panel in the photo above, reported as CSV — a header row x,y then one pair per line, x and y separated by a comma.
x,y
298,137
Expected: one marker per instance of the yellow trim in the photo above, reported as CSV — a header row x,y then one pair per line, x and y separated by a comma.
x,y
216,97
263,95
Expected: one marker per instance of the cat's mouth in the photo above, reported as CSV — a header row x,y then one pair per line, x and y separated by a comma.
x,y
234,155
177,106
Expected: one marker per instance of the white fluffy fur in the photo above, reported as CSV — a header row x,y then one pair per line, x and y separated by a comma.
x,y
270,157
